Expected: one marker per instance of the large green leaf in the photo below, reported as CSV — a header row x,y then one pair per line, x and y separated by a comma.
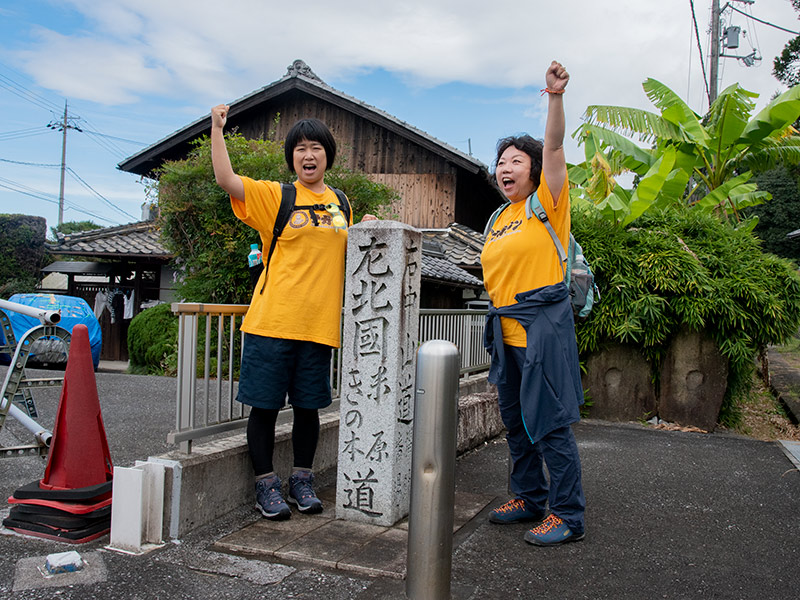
x,y
647,126
772,152
717,196
638,159
676,111
650,186
674,186
729,115
748,195
776,116
616,205
578,174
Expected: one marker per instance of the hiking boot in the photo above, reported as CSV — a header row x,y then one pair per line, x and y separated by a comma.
x,y
552,532
515,511
302,494
269,499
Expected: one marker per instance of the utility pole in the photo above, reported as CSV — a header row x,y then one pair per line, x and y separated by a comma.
x,y
713,71
62,126
63,166
715,52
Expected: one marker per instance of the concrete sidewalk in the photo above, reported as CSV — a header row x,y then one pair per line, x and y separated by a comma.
x,y
669,515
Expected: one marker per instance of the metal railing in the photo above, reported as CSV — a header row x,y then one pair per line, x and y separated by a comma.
x,y
209,353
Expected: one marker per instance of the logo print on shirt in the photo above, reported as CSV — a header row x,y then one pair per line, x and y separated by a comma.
x,y
299,219
496,234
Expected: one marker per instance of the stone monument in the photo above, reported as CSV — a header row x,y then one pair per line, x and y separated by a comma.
x,y
379,342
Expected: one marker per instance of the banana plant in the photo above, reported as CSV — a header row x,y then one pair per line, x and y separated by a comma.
x,y
706,162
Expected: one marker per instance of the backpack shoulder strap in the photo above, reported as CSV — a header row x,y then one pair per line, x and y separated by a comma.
x,y
494,217
288,196
534,207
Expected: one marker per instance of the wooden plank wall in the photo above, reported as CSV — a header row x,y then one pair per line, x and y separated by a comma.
x,y
425,200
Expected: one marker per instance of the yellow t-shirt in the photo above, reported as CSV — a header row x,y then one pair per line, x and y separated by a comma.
x,y
519,255
302,299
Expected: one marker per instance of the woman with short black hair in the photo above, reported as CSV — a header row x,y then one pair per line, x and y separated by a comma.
x,y
294,319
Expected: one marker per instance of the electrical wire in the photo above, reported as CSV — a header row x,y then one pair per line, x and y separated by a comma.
x,y
749,16
28,164
39,195
77,177
700,50
22,133
24,93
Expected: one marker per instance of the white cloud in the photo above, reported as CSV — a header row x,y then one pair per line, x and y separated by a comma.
x,y
213,50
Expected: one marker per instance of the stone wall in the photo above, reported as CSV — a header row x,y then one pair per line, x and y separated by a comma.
x,y
619,383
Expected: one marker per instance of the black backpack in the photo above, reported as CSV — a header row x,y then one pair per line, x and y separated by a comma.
x,y
288,197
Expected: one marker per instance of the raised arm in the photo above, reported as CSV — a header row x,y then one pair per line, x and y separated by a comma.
x,y
223,172
554,163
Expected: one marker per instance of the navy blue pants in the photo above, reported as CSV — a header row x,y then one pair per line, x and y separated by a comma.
x,y
558,450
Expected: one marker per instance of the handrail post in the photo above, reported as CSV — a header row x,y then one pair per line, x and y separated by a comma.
x,y
187,364
433,461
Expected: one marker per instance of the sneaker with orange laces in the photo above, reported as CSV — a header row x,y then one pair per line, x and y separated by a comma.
x,y
552,532
515,511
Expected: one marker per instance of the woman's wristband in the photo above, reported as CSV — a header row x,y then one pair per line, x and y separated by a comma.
x,y
549,91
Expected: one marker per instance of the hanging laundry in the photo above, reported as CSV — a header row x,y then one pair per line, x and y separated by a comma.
x,y
128,299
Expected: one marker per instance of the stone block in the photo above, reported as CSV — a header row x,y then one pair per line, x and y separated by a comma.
x,y
381,322
619,384
694,377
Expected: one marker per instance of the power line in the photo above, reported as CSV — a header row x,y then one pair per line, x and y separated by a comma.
x,y
28,191
28,164
22,133
700,50
98,194
749,16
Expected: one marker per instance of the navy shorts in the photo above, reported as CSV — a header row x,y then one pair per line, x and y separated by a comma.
x,y
273,368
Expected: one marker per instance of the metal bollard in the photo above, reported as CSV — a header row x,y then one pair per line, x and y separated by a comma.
x,y
433,463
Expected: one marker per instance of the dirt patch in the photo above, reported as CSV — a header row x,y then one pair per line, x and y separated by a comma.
x,y
763,417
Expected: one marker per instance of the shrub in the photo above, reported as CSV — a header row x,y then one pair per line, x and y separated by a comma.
x,y
681,268
153,341
22,248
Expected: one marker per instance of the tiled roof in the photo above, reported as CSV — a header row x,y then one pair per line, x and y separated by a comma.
x,y
135,240
460,244
441,269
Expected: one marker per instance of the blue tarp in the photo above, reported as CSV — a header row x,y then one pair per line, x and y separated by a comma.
x,y
74,311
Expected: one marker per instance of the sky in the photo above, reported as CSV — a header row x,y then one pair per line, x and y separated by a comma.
x,y
467,72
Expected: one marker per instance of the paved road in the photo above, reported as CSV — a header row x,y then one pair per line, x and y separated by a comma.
x,y
670,515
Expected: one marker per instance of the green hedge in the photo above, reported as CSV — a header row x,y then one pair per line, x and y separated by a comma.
x,y
22,251
153,341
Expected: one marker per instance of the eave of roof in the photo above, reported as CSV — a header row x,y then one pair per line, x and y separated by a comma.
x,y
78,267
144,161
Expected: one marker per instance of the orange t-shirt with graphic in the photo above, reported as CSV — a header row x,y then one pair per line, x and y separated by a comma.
x,y
302,298
519,254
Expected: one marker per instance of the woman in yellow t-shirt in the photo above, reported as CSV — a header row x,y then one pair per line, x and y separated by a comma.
x,y
531,333
294,317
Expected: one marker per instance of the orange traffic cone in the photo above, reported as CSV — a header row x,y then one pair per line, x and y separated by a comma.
x,y
79,455
72,502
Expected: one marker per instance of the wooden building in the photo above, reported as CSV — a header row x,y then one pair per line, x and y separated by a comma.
x,y
437,183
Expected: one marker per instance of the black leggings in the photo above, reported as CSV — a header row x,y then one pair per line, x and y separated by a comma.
x,y
261,437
